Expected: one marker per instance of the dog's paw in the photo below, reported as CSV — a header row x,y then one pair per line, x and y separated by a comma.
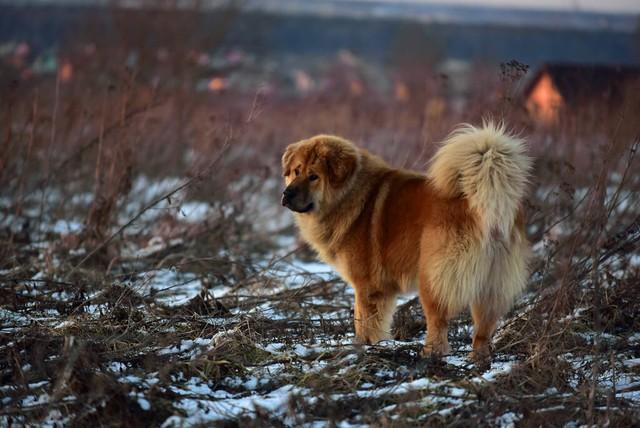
x,y
435,350
361,340
481,357
371,337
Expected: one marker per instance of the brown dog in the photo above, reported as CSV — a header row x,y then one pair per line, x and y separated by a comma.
x,y
456,234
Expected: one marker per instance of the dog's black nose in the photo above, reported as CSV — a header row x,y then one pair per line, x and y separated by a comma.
x,y
289,192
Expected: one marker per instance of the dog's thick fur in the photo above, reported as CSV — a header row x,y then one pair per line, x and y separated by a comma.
x,y
456,234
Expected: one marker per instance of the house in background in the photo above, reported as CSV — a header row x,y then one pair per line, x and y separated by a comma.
x,y
559,88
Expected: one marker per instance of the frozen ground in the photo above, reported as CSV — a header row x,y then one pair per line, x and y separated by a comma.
x,y
184,330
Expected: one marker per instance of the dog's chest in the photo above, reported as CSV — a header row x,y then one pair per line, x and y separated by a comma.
x,y
316,236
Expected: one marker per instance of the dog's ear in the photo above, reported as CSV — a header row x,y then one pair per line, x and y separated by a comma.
x,y
287,157
341,160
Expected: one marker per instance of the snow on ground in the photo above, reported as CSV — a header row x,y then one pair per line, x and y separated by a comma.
x,y
202,403
282,344
169,286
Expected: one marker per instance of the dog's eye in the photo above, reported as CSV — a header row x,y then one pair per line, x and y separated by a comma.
x,y
313,177
296,171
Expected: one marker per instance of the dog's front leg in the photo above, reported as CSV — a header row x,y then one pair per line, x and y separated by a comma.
x,y
372,316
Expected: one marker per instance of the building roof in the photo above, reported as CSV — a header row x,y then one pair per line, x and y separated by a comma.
x,y
578,82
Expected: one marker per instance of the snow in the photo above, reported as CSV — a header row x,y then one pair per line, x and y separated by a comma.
x,y
497,368
169,286
144,404
64,227
633,362
194,211
204,411
508,420
10,321
34,400
63,324
146,190
634,338
270,384
631,395
403,388
186,345
300,350
117,367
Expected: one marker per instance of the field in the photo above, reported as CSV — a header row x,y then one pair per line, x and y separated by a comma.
x,y
150,277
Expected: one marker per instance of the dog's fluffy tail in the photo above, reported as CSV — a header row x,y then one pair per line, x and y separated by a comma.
x,y
489,167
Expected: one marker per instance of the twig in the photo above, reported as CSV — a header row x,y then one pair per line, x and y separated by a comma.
x,y
151,205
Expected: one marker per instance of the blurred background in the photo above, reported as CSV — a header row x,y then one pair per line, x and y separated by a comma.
x,y
391,74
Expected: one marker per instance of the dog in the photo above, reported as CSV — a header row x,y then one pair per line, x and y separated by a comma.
x,y
456,234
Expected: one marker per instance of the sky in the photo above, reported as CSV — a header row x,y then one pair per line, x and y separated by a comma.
x,y
607,6
610,6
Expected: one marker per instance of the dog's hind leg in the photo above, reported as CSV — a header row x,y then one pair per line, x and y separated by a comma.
x,y
485,318
507,278
372,316
437,342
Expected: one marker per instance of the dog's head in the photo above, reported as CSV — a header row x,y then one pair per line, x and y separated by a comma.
x,y
317,172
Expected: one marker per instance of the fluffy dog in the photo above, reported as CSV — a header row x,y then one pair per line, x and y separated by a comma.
x,y
455,234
